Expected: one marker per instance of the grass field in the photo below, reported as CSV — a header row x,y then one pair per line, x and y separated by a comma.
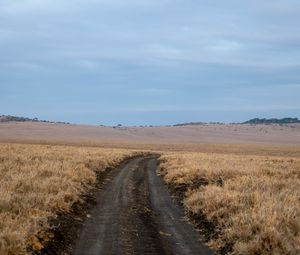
x,y
37,181
252,201
249,193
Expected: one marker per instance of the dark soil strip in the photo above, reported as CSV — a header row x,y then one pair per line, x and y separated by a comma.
x,y
120,222
135,214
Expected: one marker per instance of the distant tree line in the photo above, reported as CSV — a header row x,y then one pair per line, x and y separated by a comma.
x,y
272,121
7,118
254,121
196,123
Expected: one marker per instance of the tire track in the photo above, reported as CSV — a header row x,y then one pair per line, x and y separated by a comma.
x,y
134,214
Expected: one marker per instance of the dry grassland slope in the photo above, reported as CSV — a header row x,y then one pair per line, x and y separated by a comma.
x,y
212,134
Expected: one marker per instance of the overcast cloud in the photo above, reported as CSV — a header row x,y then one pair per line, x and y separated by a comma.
x,y
149,61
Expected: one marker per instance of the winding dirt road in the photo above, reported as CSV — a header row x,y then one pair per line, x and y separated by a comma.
x,y
134,214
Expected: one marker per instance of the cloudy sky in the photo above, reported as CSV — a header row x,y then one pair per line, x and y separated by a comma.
x,y
149,61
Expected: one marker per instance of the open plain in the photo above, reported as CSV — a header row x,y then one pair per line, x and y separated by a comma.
x,y
238,186
288,134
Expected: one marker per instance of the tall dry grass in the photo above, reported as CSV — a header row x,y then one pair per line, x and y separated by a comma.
x,y
253,201
37,181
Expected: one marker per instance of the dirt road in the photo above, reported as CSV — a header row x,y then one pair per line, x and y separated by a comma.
x,y
134,214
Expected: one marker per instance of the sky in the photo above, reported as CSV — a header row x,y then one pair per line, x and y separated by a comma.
x,y
142,62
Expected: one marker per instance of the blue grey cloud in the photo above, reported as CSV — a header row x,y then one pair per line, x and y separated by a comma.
x,y
174,60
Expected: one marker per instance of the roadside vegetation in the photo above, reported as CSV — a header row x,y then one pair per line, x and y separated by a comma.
x,y
252,202
38,181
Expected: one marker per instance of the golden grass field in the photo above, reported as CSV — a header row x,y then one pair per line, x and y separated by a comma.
x,y
249,192
253,201
37,181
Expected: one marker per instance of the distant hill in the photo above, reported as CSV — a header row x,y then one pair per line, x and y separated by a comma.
x,y
254,121
195,123
8,118
188,123
272,121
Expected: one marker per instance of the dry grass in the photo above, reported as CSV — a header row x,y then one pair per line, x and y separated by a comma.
x,y
157,146
252,198
37,181
254,201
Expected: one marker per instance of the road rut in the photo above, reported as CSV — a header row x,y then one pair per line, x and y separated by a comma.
x,y
134,214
